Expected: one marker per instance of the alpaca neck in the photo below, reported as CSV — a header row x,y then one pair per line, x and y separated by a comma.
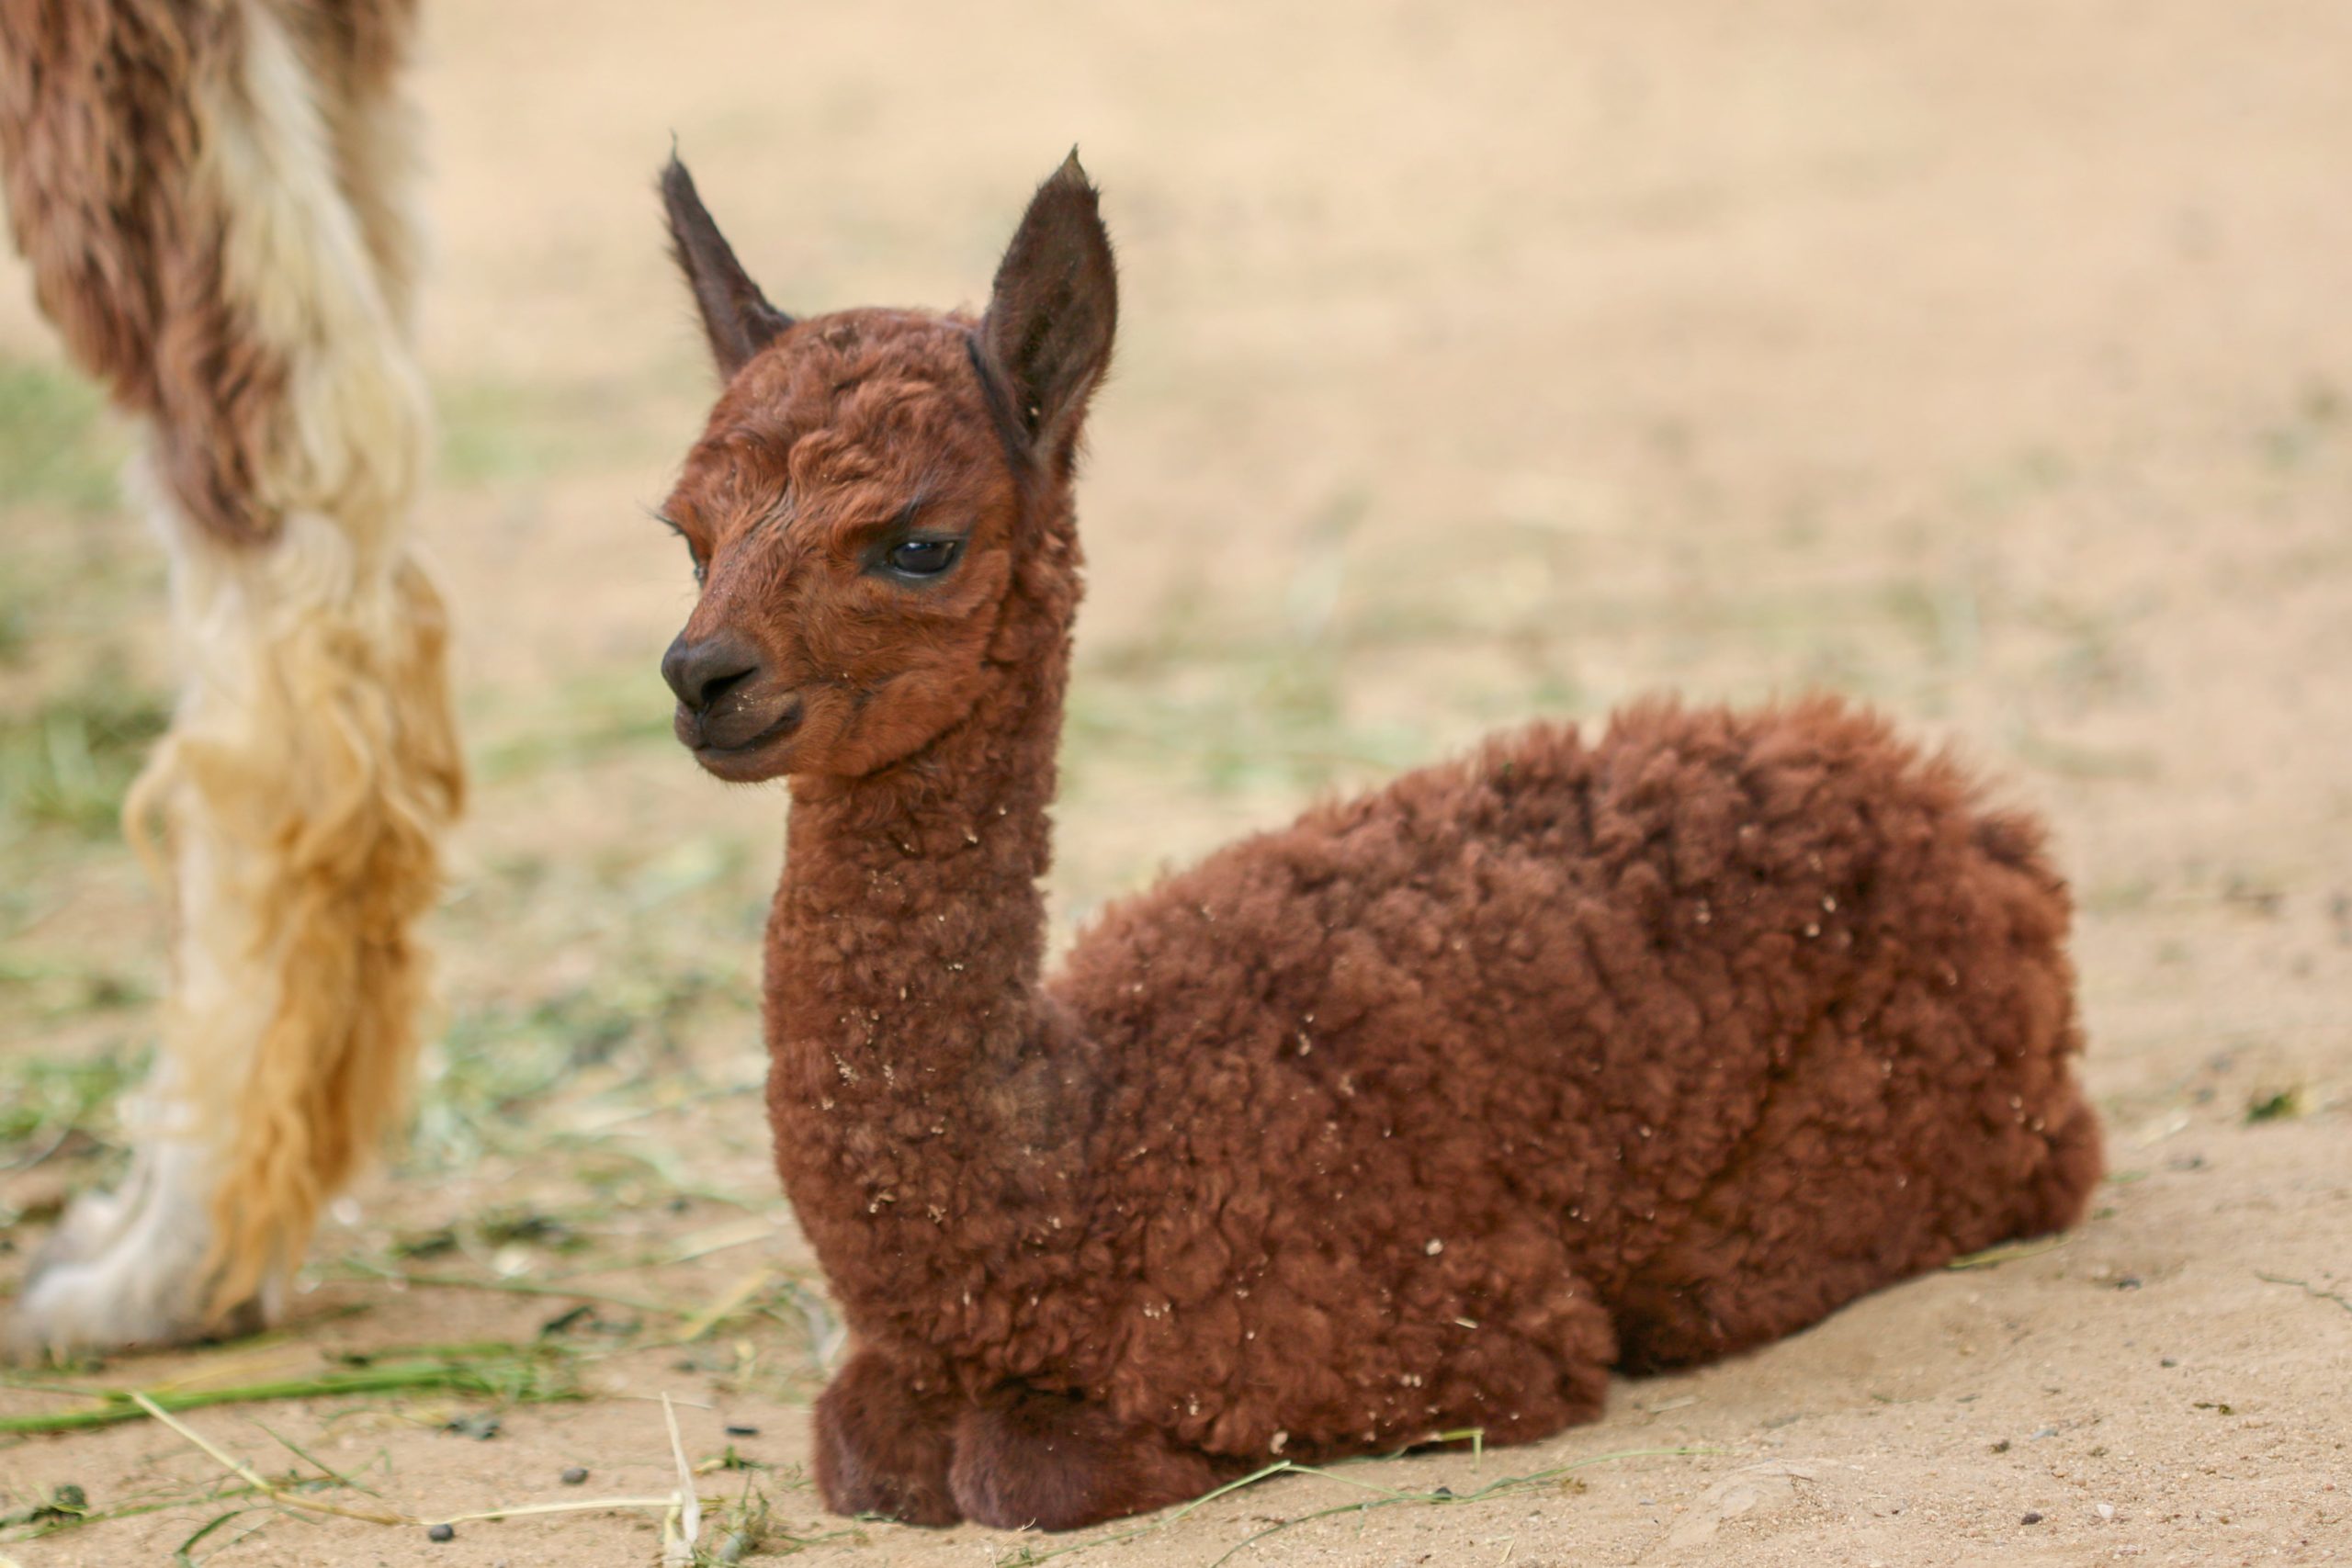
x,y
909,925
913,1070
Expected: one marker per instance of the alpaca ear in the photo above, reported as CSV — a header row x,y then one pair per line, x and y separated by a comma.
x,y
735,316
1048,332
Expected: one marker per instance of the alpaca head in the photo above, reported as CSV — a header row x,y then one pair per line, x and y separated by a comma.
x,y
874,492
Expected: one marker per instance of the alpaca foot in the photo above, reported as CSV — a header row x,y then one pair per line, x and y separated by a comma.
x,y
128,1269
1030,1460
883,1445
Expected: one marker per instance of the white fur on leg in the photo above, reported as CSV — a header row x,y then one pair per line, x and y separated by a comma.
x,y
133,1267
123,1267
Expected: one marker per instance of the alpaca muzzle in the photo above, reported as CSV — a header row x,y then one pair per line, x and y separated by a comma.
x,y
738,722
725,702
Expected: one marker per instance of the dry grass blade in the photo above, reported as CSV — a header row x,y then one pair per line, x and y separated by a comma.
x,y
722,1238
253,1478
299,1451
1027,1556
1505,1486
2338,1297
517,1288
679,1548
685,1501
60,1522
728,1305
569,1506
2007,1252
184,1553
1383,1497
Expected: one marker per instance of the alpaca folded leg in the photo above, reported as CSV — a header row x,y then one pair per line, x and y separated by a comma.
x,y
1032,1461
2061,1187
883,1446
1537,1362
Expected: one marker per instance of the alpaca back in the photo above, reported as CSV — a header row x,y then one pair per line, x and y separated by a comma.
x,y
1748,1013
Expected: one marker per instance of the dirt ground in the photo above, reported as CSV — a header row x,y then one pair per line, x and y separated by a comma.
x,y
1990,360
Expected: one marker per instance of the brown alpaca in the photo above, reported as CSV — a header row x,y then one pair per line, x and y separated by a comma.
x,y
211,194
1418,1115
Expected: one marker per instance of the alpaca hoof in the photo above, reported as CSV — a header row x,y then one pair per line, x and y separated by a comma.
x,y
122,1271
1030,1460
881,1447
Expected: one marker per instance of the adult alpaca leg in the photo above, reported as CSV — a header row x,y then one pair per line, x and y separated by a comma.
x,y
210,198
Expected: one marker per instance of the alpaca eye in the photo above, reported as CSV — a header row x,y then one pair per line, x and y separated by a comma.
x,y
923,558
702,567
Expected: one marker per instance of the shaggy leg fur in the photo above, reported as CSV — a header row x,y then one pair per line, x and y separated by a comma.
x,y
1028,1461
248,295
1774,1248
882,1447
309,768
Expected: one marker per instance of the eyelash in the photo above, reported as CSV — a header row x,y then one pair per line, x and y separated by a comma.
x,y
701,570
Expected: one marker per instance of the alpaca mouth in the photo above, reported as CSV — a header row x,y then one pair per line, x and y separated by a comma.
x,y
739,761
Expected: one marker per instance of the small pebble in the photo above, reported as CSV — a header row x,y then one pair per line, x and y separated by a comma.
x,y
2106,1511
2030,1519
442,1532
2167,1361
737,1429
2128,1283
575,1476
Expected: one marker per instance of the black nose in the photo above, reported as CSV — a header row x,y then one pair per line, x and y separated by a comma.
x,y
702,671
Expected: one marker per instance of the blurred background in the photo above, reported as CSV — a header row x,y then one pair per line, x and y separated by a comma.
x,y
1991,362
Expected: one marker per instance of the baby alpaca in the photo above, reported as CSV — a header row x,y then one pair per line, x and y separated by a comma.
x,y
1418,1115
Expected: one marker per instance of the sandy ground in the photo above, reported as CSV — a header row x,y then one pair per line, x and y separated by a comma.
x,y
1989,360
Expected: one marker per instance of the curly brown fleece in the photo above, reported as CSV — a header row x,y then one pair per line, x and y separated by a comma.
x,y
1421,1114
